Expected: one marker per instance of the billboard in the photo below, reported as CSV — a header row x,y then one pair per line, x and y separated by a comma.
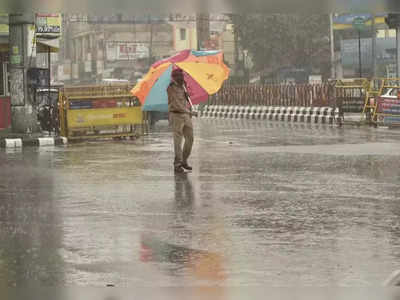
x,y
345,21
48,25
126,51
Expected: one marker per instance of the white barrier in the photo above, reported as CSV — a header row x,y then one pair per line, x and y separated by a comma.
x,y
46,142
13,143
323,115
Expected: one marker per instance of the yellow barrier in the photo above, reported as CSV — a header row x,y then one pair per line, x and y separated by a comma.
x,y
368,89
100,111
104,117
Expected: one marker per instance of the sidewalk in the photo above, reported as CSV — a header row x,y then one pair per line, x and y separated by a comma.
x,y
16,140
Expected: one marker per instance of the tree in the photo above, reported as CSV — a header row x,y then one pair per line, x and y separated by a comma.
x,y
285,40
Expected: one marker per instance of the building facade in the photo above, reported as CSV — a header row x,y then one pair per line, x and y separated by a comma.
x,y
98,48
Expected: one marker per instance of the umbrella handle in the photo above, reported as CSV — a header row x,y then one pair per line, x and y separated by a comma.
x,y
189,100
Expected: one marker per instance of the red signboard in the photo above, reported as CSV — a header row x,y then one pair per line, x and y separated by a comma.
x,y
5,113
389,110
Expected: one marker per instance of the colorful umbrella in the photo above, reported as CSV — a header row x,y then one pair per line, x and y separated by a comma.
x,y
204,73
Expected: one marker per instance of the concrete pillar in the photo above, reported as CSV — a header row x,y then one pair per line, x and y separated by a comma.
x,y
203,29
23,114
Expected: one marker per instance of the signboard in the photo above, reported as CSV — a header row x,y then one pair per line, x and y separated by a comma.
x,y
359,23
48,25
126,51
389,111
345,21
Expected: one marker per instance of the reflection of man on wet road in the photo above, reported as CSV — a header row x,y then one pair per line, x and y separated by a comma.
x,y
203,265
181,121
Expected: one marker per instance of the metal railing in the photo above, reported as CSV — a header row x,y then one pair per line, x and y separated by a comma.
x,y
307,95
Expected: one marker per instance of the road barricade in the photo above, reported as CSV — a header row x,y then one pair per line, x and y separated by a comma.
x,y
100,111
351,94
387,112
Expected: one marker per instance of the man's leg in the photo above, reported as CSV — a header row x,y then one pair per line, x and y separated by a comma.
x,y
188,135
177,123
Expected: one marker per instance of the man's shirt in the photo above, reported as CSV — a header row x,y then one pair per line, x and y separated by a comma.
x,y
177,99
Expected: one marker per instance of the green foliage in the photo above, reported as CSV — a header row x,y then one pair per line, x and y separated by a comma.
x,y
283,40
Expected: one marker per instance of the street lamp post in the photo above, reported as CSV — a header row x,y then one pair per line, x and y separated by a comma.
x,y
359,54
359,24
245,64
393,21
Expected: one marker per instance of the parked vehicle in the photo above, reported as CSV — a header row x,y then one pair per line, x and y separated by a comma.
x,y
47,107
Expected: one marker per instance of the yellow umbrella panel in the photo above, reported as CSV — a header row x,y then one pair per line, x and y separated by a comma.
x,y
209,76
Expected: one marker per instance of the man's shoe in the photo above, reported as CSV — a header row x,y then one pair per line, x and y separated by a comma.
x,y
179,169
187,167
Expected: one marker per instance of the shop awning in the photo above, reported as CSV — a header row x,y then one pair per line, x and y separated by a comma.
x,y
44,44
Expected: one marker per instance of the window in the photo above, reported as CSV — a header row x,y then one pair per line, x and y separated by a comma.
x,y
183,34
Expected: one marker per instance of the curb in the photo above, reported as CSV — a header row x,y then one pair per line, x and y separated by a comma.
x,y
323,115
33,142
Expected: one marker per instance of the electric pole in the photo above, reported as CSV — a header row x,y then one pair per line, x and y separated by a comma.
x,y
23,114
333,66
203,29
373,46
150,42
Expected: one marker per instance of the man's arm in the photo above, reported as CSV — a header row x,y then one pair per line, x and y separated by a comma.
x,y
169,92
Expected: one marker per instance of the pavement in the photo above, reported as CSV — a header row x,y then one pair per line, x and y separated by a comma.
x,y
17,140
267,205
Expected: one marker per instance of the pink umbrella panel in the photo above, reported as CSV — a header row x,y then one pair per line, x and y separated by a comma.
x,y
196,92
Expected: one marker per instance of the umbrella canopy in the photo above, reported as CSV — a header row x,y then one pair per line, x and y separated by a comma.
x,y
204,74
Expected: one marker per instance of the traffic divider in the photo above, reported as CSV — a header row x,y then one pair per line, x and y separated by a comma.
x,y
323,115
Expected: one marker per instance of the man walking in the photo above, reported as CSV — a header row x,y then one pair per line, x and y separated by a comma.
x,y
180,117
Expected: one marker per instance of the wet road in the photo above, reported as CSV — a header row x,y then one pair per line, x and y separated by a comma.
x,y
268,204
